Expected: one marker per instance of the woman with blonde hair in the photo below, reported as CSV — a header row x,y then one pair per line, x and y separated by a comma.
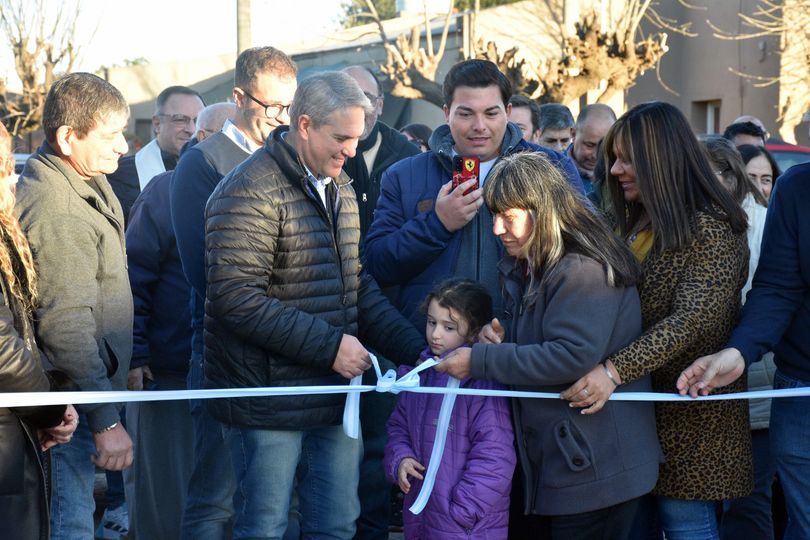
x,y
690,236
24,432
569,288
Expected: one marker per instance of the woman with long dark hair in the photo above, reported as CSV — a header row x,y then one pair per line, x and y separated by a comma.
x,y
690,236
569,288
25,432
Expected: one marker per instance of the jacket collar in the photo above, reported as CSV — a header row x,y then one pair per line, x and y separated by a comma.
x,y
441,143
49,158
290,162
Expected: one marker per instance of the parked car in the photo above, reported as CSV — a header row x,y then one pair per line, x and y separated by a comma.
x,y
20,160
787,155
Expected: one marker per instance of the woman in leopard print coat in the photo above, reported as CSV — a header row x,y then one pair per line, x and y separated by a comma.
x,y
690,237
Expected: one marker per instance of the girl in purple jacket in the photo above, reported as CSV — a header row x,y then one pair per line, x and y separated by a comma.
x,y
470,498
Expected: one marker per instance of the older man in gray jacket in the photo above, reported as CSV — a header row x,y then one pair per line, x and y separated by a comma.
x,y
75,226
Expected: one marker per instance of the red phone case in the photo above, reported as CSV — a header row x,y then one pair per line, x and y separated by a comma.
x,y
464,168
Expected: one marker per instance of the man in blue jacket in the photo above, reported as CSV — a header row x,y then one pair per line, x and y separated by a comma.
x,y
161,431
776,317
425,231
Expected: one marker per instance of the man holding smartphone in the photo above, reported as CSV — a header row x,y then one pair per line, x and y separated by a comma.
x,y
423,229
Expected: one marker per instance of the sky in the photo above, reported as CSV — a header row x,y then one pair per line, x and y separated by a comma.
x,y
112,31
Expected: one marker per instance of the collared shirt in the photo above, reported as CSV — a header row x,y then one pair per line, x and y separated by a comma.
x,y
233,133
319,183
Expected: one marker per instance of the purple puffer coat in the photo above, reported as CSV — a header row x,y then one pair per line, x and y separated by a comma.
x,y
471,495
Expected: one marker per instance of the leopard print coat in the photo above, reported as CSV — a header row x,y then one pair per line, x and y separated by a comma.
x,y
690,299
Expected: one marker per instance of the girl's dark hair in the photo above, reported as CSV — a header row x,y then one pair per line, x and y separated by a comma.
x,y
729,164
674,178
750,151
467,298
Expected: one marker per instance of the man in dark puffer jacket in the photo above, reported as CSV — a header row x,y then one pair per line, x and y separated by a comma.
x,y
286,303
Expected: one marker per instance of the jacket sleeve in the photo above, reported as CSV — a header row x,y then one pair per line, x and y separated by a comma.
x,y
241,239
146,245
64,249
581,312
399,445
383,327
693,315
778,288
490,465
20,371
398,247
192,183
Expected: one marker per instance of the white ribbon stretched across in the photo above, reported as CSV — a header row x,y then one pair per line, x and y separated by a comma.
x,y
351,412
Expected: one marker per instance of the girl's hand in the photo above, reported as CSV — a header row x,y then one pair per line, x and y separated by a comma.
x,y
408,467
456,364
591,391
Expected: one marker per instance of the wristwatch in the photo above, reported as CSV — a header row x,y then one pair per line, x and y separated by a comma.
x,y
108,428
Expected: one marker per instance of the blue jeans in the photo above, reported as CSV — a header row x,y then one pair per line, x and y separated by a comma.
x,y
688,520
267,464
751,516
73,475
208,513
790,449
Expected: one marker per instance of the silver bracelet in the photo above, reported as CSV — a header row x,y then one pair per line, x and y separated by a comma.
x,y
108,428
610,376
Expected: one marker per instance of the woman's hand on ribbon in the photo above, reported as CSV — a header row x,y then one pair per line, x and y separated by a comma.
x,y
590,392
409,467
456,364
492,333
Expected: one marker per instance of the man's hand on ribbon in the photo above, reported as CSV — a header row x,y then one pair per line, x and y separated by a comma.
x,y
352,358
710,372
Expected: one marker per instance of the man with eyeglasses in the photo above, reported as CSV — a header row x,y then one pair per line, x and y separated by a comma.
x,y
174,122
264,85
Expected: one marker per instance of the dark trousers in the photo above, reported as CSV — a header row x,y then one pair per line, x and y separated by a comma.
x,y
611,523
373,490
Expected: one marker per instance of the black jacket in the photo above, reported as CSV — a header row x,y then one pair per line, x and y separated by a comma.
x,y
23,496
284,285
394,146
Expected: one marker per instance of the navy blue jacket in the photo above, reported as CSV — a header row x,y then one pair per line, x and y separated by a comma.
x,y
160,292
197,174
407,245
776,314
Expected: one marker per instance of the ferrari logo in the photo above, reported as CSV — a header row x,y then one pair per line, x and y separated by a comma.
x,y
469,165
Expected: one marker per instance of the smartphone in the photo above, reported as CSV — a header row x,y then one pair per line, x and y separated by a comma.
x,y
464,168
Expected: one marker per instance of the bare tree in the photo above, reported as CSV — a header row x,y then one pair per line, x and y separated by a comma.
x,y
789,21
43,41
411,67
615,51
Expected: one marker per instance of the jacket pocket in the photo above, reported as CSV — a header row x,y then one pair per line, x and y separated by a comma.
x,y
568,457
109,358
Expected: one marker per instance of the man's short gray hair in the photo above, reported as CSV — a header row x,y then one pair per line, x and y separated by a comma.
x,y
555,116
322,94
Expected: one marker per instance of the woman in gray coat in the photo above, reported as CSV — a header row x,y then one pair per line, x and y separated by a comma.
x,y
569,289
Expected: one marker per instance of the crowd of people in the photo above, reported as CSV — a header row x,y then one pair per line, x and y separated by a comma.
x,y
283,239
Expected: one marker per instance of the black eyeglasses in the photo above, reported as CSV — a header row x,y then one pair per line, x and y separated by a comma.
x,y
178,120
274,110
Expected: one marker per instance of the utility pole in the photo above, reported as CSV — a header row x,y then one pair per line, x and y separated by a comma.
x,y
243,39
